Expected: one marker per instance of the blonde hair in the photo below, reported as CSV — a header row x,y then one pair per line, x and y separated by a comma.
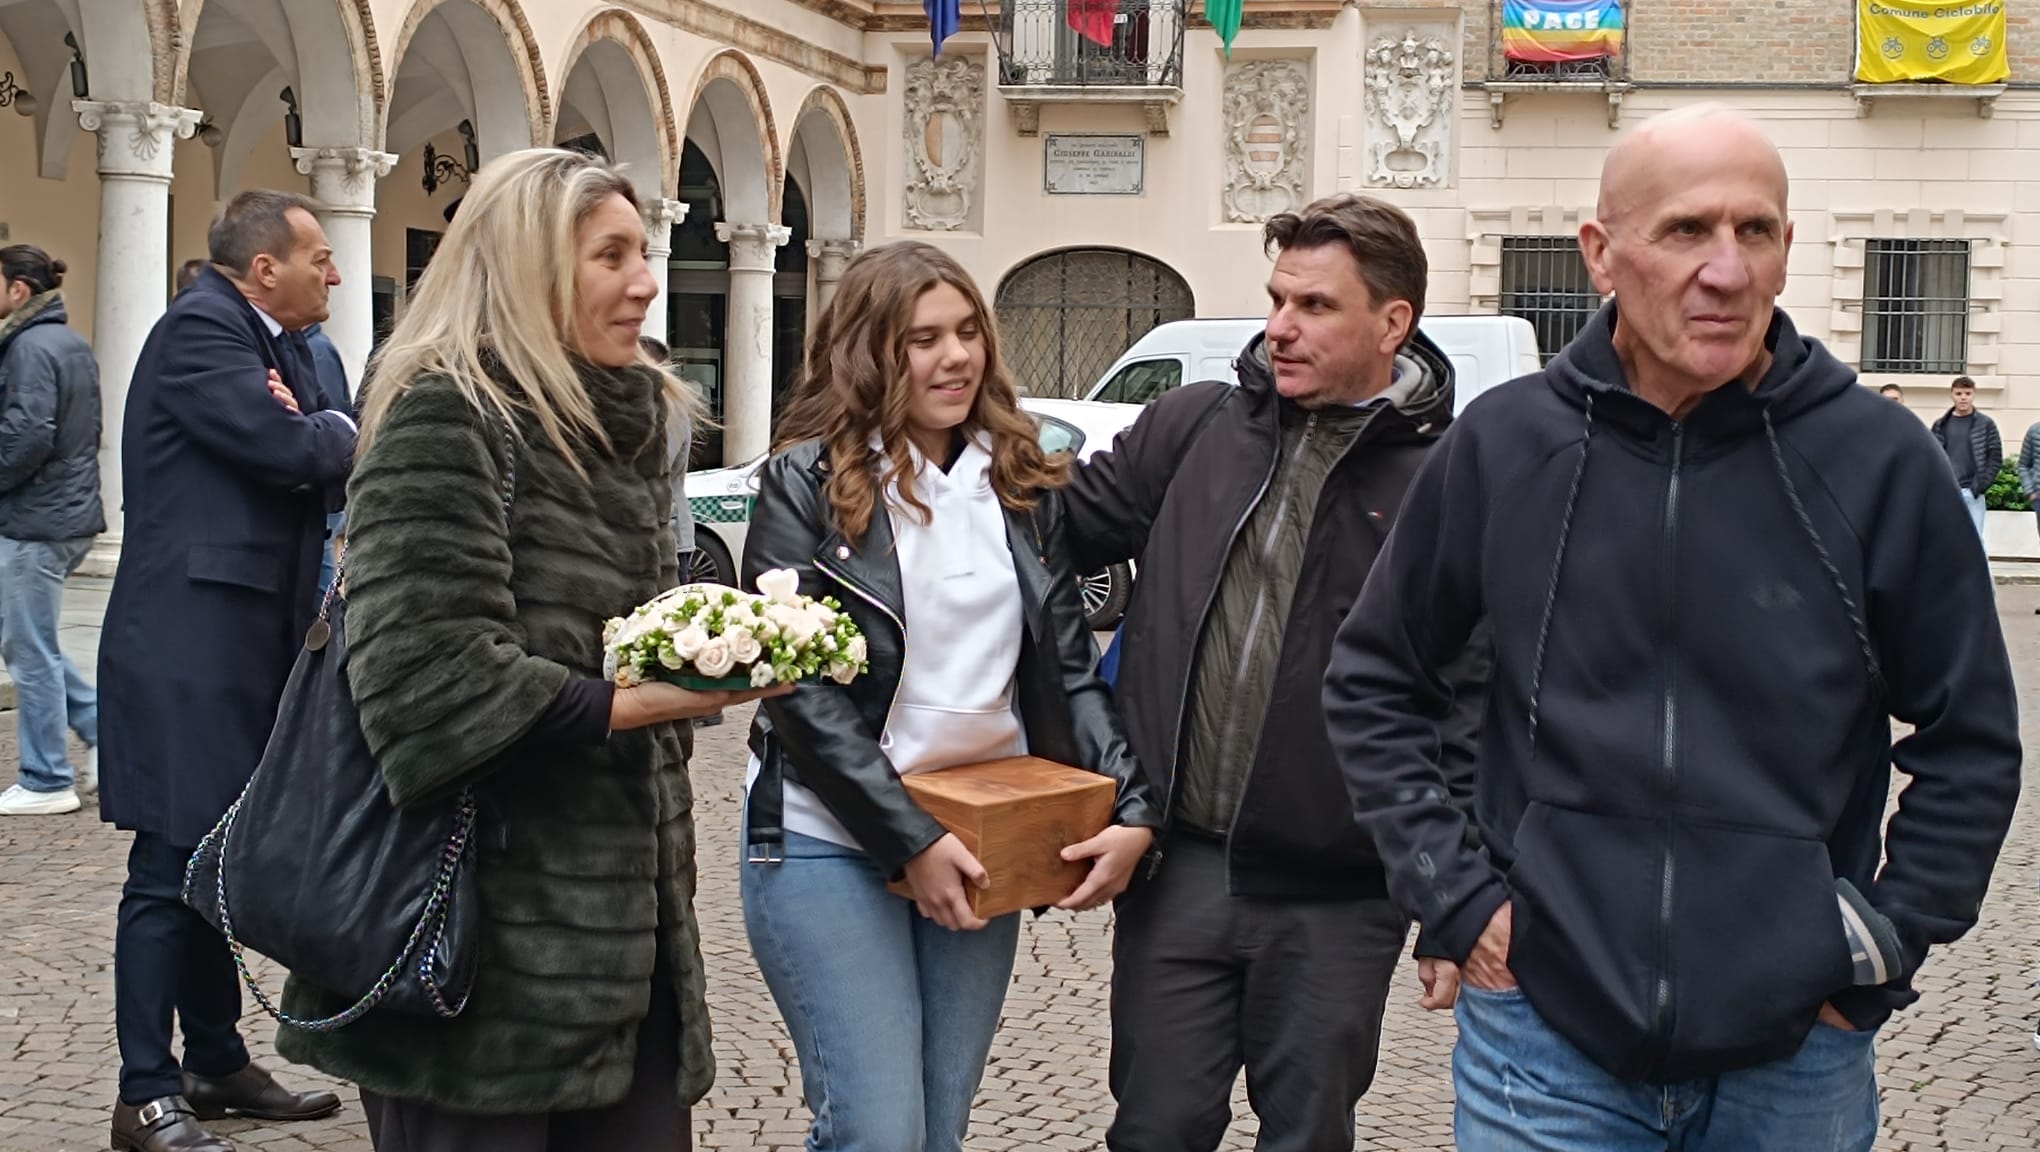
x,y
501,288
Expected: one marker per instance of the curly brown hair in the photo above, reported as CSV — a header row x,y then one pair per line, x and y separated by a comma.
x,y
854,381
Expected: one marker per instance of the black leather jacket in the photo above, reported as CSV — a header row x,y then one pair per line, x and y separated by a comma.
x,y
826,736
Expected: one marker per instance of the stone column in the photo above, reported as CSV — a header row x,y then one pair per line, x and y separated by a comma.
x,y
747,346
830,257
343,182
133,268
660,216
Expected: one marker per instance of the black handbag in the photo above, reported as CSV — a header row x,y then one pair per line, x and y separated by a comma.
x,y
370,902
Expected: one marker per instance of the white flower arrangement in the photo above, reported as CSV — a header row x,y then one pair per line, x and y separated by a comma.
x,y
711,636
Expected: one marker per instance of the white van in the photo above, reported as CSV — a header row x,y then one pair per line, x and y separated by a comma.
x,y
1485,351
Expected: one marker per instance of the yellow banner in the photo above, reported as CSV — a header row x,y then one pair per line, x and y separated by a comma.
x,y
1958,42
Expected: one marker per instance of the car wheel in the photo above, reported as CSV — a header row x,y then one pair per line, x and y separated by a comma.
x,y
711,562
1105,595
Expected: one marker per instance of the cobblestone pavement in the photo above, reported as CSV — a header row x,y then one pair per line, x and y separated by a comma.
x,y
1959,1071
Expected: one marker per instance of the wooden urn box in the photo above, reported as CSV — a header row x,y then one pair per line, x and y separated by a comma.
x,y
1016,816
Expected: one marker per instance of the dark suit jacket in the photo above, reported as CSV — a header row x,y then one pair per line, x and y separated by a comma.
x,y
225,494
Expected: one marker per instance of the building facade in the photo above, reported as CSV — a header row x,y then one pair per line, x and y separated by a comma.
x,y
1096,183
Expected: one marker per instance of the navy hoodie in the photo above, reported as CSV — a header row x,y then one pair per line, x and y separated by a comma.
x,y
1701,627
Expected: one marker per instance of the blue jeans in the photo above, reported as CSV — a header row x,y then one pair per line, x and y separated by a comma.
x,y
336,523
1976,507
892,1014
50,694
1524,1088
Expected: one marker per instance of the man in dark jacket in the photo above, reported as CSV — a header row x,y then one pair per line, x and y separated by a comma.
x,y
49,513
1975,450
1713,569
230,460
332,373
1261,933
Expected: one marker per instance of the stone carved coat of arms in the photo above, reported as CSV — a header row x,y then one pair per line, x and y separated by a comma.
x,y
1410,87
1266,109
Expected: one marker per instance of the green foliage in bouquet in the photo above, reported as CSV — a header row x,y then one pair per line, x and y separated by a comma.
x,y
710,636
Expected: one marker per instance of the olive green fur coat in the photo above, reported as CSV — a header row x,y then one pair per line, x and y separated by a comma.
x,y
460,638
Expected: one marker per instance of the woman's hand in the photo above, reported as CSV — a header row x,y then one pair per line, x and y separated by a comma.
x,y
657,702
1115,852
941,876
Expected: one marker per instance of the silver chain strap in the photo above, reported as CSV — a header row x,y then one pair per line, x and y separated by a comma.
x,y
432,920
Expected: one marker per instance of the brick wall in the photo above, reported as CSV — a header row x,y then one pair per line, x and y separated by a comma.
x,y
1743,41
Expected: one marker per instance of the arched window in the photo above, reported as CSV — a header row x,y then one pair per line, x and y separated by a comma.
x,y
1064,317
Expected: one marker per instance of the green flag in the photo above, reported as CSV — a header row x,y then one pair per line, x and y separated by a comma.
x,y
1224,16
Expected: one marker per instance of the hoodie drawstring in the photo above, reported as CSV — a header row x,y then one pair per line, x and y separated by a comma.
x,y
1841,587
1572,500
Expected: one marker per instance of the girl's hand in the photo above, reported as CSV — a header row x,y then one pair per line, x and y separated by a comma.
x,y
657,702
939,875
1116,852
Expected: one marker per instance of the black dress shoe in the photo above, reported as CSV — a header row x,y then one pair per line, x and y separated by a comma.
x,y
165,1125
253,1092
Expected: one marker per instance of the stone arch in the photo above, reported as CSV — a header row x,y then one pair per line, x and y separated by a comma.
x,y
329,122
730,94
522,49
613,31
827,136
1066,314
125,46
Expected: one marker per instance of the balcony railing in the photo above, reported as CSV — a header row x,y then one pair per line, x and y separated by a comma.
x,y
1090,43
1598,70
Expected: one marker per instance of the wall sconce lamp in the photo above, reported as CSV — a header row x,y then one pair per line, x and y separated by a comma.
x,y
441,169
80,81
293,123
15,96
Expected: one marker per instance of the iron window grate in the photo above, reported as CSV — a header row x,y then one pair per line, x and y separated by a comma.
x,y
1066,316
1545,281
1916,306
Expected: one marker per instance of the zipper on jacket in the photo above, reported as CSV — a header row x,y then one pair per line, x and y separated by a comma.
x,y
1671,761
877,602
1197,645
1228,734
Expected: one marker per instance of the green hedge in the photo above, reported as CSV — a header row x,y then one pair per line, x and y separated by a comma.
x,y
2004,494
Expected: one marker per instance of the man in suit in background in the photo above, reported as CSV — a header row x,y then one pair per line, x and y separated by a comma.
x,y
230,459
332,373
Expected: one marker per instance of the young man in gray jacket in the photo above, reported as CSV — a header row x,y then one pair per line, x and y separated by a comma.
x,y
49,513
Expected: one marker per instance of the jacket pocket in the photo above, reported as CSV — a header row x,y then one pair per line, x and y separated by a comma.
x,y
1583,941
919,738
243,567
1757,942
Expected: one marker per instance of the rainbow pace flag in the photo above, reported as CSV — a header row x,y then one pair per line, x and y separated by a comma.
x,y
1560,31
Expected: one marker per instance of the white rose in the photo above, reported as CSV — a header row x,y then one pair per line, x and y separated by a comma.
x,y
761,675
689,641
856,653
743,645
842,673
780,585
800,626
715,658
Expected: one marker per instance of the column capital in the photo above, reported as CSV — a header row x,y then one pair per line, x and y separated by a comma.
x,y
832,255
133,134
660,216
753,247
344,179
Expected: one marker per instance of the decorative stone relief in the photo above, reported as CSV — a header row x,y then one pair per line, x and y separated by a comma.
x,y
944,139
1410,84
1267,112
